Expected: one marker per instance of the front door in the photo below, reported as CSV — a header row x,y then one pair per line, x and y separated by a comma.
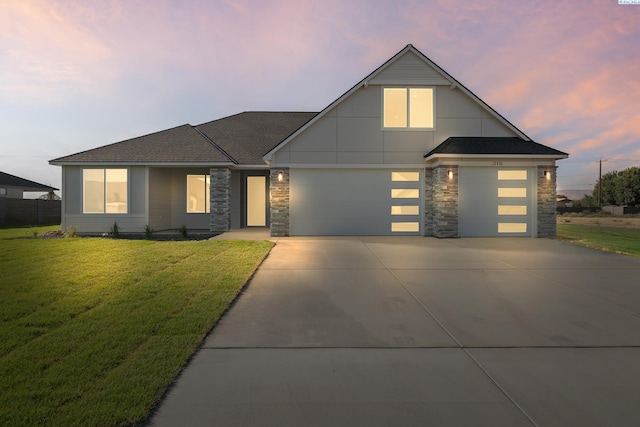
x,y
256,201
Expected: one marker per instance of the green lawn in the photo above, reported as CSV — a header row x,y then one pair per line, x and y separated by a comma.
x,y
93,331
612,239
19,232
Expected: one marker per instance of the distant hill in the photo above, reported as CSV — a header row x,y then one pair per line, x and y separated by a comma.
x,y
574,194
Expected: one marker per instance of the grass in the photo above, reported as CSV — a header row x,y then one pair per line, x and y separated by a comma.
x,y
93,331
612,239
20,232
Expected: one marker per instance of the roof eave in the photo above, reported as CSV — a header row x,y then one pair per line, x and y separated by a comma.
x,y
469,93
269,156
493,156
164,164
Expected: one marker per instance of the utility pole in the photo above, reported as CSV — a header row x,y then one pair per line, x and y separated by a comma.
x,y
600,183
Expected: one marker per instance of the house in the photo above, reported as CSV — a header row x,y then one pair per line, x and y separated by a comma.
x,y
408,150
13,187
15,210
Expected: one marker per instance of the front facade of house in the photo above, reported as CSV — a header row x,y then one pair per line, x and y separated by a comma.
x,y
407,151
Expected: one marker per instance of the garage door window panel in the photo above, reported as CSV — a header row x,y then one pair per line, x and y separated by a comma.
x,y
512,209
512,227
405,193
405,210
512,175
512,192
405,227
405,176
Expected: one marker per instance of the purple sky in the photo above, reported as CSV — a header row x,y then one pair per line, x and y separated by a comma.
x,y
78,74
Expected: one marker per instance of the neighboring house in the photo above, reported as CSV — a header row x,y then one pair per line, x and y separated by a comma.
x,y
406,151
563,202
15,210
13,187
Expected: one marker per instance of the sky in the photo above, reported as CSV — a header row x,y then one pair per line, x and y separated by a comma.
x,y
76,74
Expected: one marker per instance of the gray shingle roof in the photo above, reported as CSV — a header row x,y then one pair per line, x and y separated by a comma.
x,y
8,180
176,145
242,139
493,145
248,136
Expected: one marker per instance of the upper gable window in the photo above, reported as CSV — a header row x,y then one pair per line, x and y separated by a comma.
x,y
408,108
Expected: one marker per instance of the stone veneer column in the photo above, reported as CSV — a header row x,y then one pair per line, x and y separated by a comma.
x,y
279,207
445,201
546,202
428,202
220,204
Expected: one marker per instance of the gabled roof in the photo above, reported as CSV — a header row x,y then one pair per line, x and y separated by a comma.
x,y
8,180
247,136
364,82
241,139
493,146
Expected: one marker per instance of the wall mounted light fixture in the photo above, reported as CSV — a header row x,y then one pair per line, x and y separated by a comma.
x,y
450,173
280,176
547,174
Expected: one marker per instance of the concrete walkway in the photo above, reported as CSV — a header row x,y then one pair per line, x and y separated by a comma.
x,y
379,331
248,233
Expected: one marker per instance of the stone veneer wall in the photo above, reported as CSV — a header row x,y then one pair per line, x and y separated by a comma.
x,y
220,204
441,202
546,202
428,202
279,207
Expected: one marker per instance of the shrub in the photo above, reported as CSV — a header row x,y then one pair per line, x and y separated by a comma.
x,y
71,232
148,232
115,230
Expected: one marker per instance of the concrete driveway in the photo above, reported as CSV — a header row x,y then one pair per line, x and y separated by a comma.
x,y
379,331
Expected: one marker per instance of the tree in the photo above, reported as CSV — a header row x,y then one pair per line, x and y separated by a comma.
x,y
51,195
621,188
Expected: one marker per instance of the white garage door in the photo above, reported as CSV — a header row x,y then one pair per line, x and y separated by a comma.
x,y
495,202
355,202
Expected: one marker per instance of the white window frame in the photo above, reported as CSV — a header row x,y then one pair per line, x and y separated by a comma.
x,y
105,194
408,109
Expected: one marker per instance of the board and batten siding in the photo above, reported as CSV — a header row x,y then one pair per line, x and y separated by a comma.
x,y
160,198
351,132
178,194
409,69
134,221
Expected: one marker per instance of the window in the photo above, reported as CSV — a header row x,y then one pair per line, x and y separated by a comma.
x,y
408,108
516,227
400,227
105,191
405,176
512,175
512,192
3,191
405,210
512,210
405,193
198,194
